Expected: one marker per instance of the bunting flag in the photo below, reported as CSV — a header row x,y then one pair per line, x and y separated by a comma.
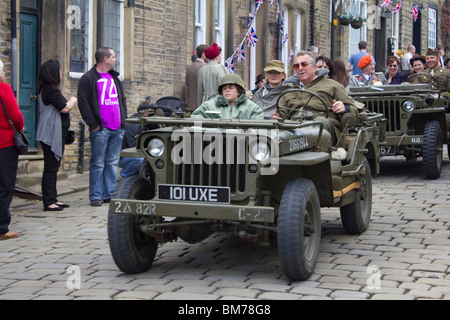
x,y
397,8
282,27
240,53
252,39
415,12
278,10
258,4
229,64
385,3
291,55
251,18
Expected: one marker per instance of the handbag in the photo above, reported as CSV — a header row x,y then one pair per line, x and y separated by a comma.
x,y
70,137
20,140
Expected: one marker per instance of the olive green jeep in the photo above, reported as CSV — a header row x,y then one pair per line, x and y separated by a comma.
x,y
265,181
418,120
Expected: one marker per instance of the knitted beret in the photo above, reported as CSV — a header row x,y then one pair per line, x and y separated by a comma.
x,y
365,61
212,52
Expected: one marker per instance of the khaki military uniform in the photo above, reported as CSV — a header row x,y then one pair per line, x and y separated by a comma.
x,y
329,90
442,76
376,79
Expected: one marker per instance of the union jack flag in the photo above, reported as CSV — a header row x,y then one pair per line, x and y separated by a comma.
x,y
240,53
229,64
415,12
252,39
258,3
282,27
397,8
250,19
286,38
291,55
278,10
272,2
385,3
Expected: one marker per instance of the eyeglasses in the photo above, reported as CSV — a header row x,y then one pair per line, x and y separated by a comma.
x,y
393,65
304,64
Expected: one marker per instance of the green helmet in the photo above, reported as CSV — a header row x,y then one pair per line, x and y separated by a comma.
x,y
231,79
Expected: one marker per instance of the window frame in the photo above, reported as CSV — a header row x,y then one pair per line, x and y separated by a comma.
x,y
357,35
199,22
219,29
432,28
121,55
298,31
89,41
395,30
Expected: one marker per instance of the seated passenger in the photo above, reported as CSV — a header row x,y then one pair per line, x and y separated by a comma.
x,y
394,76
232,102
368,77
331,91
267,96
441,74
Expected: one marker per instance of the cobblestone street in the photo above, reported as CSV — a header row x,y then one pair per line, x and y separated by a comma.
x,y
405,254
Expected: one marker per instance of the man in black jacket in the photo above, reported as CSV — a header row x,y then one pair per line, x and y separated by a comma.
x,y
103,107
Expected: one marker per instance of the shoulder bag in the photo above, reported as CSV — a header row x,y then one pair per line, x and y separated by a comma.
x,y
20,140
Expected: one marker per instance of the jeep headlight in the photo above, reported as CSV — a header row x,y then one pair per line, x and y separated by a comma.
x,y
156,147
408,106
260,152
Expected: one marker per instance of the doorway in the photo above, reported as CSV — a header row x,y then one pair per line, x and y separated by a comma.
x,y
28,66
417,33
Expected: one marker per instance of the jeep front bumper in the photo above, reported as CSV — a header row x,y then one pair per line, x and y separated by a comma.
x,y
201,211
403,140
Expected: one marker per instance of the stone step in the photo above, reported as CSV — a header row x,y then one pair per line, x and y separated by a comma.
x,y
34,179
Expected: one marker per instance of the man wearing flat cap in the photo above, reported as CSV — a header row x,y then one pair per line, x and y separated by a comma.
x,y
210,75
368,77
267,96
434,69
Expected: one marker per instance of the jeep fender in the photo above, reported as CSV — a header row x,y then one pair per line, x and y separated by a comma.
x,y
314,166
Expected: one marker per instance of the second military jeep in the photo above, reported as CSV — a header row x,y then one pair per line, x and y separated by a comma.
x,y
264,181
418,121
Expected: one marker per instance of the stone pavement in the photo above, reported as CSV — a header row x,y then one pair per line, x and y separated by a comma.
x,y
405,253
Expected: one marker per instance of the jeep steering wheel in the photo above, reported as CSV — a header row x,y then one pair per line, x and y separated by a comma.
x,y
434,83
312,94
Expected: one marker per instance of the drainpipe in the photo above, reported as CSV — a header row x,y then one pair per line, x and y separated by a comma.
x,y
14,46
312,10
332,36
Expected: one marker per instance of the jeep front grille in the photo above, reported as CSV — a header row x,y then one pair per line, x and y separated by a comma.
x,y
391,110
218,175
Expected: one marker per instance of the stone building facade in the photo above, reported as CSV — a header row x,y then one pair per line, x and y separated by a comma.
x,y
155,39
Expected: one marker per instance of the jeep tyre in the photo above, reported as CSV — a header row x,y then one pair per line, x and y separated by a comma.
x,y
132,250
432,150
299,229
355,217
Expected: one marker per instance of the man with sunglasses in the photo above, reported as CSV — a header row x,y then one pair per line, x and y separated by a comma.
x,y
332,92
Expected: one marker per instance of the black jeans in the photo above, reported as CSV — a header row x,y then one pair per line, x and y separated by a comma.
x,y
9,159
50,176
